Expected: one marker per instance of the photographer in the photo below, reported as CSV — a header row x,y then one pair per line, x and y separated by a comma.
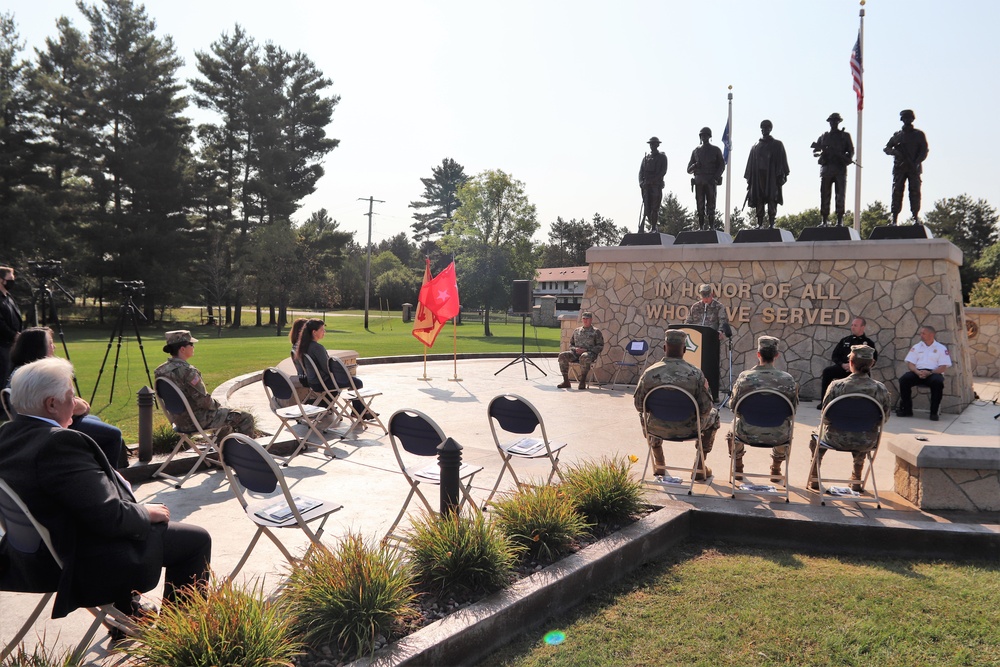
x,y
10,321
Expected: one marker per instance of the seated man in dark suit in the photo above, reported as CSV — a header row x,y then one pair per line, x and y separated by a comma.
x,y
111,546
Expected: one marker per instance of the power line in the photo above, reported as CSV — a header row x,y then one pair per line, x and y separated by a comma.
x,y
368,267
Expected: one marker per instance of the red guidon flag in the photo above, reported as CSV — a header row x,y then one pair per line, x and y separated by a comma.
x,y
438,303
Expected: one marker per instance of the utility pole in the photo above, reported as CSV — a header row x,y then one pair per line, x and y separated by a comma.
x,y
368,266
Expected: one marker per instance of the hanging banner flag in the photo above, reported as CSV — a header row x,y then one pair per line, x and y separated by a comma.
x,y
437,303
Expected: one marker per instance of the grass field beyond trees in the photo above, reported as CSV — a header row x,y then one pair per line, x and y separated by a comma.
x,y
738,606
250,348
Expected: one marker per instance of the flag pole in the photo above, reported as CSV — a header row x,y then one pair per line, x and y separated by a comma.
x,y
857,158
729,168
424,377
454,339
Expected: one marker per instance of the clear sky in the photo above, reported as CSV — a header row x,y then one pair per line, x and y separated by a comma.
x,y
563,95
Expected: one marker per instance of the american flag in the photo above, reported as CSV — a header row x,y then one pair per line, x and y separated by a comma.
x,y
857,71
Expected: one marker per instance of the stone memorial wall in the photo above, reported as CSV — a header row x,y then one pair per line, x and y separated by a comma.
x,y
805,293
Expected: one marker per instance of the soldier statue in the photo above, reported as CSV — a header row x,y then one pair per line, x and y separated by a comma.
x,y
706,165
767,170
908,147
835,151
651,173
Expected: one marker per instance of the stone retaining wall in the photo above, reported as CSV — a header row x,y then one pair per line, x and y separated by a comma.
x,y
805,293
983,328
942,472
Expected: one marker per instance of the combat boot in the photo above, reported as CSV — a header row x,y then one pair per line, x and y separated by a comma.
x,y
704,472
856,476
582,385
738,468
813,483
565,383
775,470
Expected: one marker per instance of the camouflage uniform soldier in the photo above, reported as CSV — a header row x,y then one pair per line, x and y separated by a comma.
x,y
673,370
858,443
763,376
709,312
586,343
180,347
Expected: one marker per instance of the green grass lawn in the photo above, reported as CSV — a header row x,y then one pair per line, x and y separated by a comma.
x,y
251,348
739,606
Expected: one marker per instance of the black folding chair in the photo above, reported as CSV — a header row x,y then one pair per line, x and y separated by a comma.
x,y
850,413
764,408
668,403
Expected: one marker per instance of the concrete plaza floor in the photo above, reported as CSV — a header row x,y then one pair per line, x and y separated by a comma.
x,y
365,478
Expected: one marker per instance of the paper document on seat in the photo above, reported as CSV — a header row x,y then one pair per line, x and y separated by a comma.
x,y
282,512
433,473
527,446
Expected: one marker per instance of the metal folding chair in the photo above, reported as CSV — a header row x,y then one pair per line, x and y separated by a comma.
x,y
8,407
765,408
417,434
516,415
25,535
350,392
668,403
261,489
636,356
297,418
853,413
199,440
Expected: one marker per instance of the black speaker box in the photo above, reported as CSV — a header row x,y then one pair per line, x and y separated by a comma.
x,y
520,297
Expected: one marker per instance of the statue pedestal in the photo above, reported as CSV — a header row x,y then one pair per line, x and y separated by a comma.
x,y
842,233
900,232
647,238
770,235
700,236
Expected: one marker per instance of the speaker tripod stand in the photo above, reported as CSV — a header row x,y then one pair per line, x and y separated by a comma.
x,y
46,304
523,358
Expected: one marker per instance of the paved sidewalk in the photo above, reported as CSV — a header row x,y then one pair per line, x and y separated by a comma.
x,y
364,476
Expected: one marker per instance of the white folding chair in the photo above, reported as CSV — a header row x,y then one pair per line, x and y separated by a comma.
x,y
417,434
26,535
350,392
766,408
297,418
849,413
636,357
199,440
261,489
516,415
668,403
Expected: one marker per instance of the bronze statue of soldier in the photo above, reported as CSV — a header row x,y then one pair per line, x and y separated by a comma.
x,y
767,170
706,166
835,151
651,173
908,148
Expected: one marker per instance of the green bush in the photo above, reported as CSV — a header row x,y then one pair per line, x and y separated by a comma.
x,y
217,626
541,519
164,438
349,596
455,553
39,657
604,491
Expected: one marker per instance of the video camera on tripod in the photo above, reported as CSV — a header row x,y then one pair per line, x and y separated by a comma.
x,y
46,269
131,288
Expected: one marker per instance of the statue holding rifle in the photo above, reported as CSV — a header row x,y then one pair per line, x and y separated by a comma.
x,y
835,151
908,147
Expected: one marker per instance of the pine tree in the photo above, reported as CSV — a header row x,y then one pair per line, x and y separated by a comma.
x,y
440,197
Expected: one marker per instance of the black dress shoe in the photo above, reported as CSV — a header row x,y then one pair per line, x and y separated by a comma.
x,y
904,413
934,416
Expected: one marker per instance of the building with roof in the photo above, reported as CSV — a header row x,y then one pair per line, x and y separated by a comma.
x,y
565,283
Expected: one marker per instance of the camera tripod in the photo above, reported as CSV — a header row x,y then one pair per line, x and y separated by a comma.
x,y
44,302
128,310
523,358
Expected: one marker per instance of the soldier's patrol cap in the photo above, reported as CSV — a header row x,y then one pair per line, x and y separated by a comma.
x,y
704,288
586,314
705,131
676,337
834,117
907,113
765,342
862,352
653,140
180,336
